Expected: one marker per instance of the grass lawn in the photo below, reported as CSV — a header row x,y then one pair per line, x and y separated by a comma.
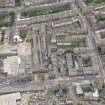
x,y
72,27
46,11
18,2
100,18
79,43
23,35
94,2
88,88
102,35
6,19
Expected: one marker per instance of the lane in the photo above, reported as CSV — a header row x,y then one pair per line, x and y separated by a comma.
x,y
30,86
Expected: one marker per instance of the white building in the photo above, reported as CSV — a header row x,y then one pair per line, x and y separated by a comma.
x,y
10,99
11,66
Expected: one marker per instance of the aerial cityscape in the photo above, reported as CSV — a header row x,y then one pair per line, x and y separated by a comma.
x,y
52,52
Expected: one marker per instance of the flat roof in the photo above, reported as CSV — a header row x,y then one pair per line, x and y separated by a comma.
x,y
24,49
8,50
9,99
3,1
